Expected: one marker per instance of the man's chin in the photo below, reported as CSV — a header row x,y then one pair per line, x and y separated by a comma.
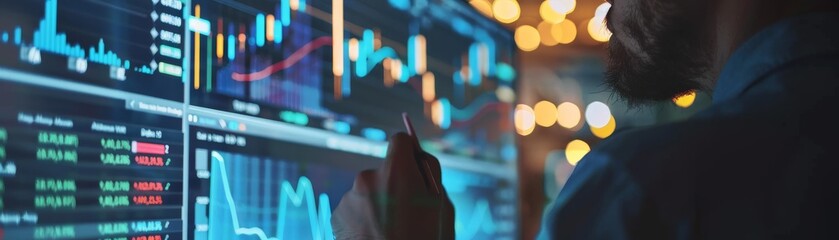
x,y
639,81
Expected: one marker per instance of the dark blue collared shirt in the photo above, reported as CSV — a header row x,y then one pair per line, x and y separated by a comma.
x,y
761,163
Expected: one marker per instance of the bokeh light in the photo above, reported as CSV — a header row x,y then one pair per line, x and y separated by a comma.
x,y
686,100
352,46
568,115
598,114
598,31
545,113
549,14
563,6
605,131
527,38
505,94
602,10
565,32
597,25
483,6
506,11
545,34
524,119
575,151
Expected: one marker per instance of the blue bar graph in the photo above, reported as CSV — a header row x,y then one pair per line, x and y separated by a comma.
x,y
474,65
302,7
278,32
260,29
46,38
17,36
231,47
285,12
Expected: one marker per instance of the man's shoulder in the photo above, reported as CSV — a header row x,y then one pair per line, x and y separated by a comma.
x,y
669,140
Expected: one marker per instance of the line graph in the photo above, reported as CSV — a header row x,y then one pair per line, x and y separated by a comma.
x,y
263,52
319,217
294,58
484,205
435,62
480,221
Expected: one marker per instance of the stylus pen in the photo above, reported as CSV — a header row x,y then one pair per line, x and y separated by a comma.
x,y
421,156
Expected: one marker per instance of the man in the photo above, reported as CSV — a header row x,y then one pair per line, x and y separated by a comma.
x,y
758,164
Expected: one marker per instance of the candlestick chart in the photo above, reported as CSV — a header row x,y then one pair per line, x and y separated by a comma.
x,y
340,68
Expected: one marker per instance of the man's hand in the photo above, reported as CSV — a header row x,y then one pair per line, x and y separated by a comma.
x,y
393,201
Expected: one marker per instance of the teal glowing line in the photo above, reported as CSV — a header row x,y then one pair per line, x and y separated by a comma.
x,y
473,108
506,72
365,48
481,220
378,56
346,86
406,74
400,4
285,12
446,113
320,224
303,192
260,29
302,7
17,35
231,47
412,54
278,32
209,66
369,59
474,65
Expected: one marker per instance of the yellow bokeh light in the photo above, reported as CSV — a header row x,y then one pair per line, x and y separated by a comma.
x,y
428,90
575,151
545,34
527,38
686,100
506,11
483,6
565,32
437,112
294,4
549,14
568,115
602,10
505,94
352,46
563,6
524,119
598,31
545,113
604,131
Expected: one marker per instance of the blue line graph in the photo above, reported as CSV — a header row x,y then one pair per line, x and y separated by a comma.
x,y
483,205
319,219
479,222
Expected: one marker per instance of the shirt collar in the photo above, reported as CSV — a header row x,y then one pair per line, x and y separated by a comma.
x,y
781,43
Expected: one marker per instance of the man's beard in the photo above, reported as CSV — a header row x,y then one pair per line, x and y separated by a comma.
x,y
675,61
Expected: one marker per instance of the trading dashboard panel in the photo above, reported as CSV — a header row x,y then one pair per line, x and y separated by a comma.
x,y
248,119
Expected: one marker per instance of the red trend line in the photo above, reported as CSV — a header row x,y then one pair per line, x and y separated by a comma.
x,y
286,63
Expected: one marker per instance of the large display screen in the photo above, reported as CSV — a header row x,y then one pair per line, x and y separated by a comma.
x,y
248,119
